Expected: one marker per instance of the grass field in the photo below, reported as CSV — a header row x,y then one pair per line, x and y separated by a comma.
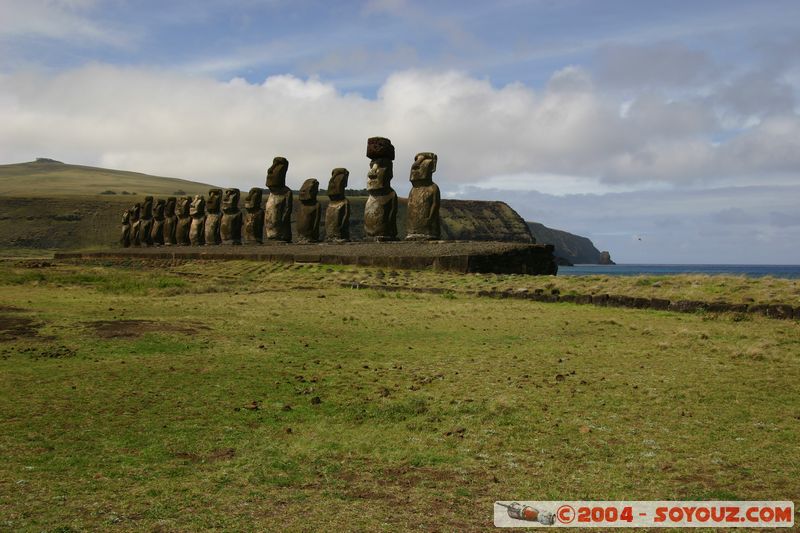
x,y
260,396
54,179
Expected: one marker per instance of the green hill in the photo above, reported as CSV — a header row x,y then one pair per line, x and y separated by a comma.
x,y
574,248
49,178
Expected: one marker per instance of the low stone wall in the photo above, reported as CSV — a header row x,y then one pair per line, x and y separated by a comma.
x,y
775,310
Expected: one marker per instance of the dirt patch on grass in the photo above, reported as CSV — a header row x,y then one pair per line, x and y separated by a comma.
x,y
116,329
16,327
220,454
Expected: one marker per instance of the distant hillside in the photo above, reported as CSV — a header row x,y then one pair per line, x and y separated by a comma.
x,y
573,248
49,178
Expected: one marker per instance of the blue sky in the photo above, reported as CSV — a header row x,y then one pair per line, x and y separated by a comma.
x,y
664,131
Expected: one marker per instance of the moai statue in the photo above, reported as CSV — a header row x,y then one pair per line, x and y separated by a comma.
x,y
337,215
422,220
170,221
136,225
198,213
380,212
254,217
213,217
310,211
157,232
231,227
278,213
146,225
125,239
184,222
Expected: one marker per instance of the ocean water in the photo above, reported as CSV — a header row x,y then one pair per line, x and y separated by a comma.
x,y
755,271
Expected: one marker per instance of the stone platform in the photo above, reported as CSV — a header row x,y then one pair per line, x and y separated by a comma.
x,y
457,256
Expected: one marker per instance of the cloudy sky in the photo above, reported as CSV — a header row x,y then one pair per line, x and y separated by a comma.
x,y
664,131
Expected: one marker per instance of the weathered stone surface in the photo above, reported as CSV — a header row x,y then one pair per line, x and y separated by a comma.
x,y
213,218
157,231
380,211
424,200
380,148
198,213
184,222
278,212
309,213
146,223
337,214
232,218
254,217
170,221
125,238
136,225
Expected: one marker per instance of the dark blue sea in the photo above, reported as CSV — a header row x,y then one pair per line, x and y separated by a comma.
x,y
754,271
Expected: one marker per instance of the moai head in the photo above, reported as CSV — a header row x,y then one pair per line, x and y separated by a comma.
x,y
337,183
276,174
423,168
136,212
198,208
230,200
147,207
309,190
169,207
126,217
214,200
158,209
381,153
252,202
184,206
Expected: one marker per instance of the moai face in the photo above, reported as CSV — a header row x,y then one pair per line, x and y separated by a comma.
x,y
169,207
198,208
380,174
338,183
158,210
276,174
126,217
136,212
309,191
423,168
147,207
184,206
252,201
230,200
214,200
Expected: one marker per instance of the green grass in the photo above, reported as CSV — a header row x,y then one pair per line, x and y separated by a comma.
x,y
59,180
430,407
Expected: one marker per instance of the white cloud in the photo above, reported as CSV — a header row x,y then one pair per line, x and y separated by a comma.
x,y
63,20
193,126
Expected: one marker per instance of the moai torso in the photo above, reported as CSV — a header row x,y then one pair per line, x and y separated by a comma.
x,y
136,225
198,214
278,212
184,221
309,213
125,238
337,214
146,222
213,217
253,217
157,232
380,211
422,223
170,221
231,226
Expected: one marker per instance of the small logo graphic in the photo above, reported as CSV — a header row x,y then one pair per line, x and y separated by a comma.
x,y
517,511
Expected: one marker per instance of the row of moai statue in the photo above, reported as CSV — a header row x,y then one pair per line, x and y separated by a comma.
x,y
188,221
